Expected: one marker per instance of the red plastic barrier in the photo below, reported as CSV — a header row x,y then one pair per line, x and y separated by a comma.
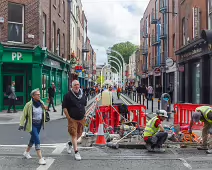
x,y
111,116
183,114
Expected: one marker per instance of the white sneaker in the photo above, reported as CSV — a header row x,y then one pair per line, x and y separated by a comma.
x,y
77,156
68,148
27,155
42,161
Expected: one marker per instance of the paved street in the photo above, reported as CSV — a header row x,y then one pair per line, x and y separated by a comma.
x,y
53,138
106,159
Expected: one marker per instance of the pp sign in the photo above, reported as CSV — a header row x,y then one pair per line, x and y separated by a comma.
x,y
16,56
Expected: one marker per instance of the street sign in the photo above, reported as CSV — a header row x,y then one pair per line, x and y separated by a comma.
x,y
1,20
169,62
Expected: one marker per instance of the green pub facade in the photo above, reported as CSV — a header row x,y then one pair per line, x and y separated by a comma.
x,y
31,67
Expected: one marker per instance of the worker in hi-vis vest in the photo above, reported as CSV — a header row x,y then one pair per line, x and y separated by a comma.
x,y
154,133
203,114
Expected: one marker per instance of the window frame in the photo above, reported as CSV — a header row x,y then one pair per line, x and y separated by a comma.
x,y
23,26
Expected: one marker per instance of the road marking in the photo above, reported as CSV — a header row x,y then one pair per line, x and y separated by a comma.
x,y
185,163
59,149
49,162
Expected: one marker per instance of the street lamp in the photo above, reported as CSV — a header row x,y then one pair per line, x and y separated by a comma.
x,y
110,56
124,67
120,68
109,66
116,72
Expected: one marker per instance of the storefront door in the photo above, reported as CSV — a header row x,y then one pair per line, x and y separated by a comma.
x,y
20,83
196,83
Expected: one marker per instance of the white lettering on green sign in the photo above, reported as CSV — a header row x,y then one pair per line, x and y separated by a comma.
x,y
16,56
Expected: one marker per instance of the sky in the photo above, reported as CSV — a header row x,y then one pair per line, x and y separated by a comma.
x,y
111,22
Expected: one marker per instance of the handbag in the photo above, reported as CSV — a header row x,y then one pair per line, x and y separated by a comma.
x,y
47,117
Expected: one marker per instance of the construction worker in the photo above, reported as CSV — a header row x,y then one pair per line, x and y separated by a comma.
x,y
203,114
154,133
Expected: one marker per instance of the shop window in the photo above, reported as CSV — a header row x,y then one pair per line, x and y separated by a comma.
x,y
58,84
45,85
19,83
15,23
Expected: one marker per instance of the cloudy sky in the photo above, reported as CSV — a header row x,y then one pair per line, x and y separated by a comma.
x,y
113,21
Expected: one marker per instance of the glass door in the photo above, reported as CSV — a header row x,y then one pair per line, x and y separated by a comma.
x,y
20,89
196,84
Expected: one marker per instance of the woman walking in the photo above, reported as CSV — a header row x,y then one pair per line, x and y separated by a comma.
x,y
32,119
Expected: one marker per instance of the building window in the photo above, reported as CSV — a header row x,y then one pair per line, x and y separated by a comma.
x,y
210,21
183,31
59,6
45,85
173,8
44,30
173,41
58,42
64,10
53,37
15,23
210,14
210,6
64,45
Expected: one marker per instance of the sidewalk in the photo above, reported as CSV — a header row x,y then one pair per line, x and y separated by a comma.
x,y
14,118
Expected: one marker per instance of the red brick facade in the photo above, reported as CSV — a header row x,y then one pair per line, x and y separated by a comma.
x,y
34,11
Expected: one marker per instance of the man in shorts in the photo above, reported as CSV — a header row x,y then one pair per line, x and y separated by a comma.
x,y
74,108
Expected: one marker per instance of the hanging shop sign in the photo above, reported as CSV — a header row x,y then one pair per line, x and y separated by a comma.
x,y
169,62
157,70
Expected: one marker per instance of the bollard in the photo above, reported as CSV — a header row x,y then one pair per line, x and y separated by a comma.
x,y
158,104
147,101
143,100
152,105
140,97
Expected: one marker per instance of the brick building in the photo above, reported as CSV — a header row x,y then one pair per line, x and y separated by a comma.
x,y
157,44
34,48
194,52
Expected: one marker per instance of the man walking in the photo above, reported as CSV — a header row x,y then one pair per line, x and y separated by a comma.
x,y
74,108
12,97
51,92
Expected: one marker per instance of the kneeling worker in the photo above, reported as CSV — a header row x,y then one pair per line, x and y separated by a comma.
x,y
154,134
203,114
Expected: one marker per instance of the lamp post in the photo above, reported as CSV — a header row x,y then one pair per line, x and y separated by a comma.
x,y
116,72
109,57
102,71
120,68
124,67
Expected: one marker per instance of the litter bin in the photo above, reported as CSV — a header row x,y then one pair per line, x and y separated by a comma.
x,y
166,103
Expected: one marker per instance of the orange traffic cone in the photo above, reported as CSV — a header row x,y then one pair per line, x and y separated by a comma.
x,y
100,135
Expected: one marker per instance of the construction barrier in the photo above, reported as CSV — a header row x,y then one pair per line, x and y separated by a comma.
x,y
112,118
183,113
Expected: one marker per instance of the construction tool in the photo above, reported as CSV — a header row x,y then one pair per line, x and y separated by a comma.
x,y
116,144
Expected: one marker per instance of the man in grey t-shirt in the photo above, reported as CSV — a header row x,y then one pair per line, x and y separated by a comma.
x,y
12,98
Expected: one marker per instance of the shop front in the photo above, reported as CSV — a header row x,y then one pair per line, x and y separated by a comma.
x,y
194,67
30,68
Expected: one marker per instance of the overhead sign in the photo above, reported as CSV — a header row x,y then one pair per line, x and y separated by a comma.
x,y
196,22
169,62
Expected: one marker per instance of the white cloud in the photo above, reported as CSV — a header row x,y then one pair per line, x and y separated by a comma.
x,y
113,21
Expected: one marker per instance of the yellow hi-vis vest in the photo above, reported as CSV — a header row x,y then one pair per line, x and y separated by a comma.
x,y
150,129
205,110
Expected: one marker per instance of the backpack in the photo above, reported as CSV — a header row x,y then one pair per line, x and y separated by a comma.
x,y
123,109
8,91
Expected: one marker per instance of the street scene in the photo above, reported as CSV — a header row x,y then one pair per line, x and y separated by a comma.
x,y
105,84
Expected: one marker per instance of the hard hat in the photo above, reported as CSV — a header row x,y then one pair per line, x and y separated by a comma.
x,y
196,116
162,113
